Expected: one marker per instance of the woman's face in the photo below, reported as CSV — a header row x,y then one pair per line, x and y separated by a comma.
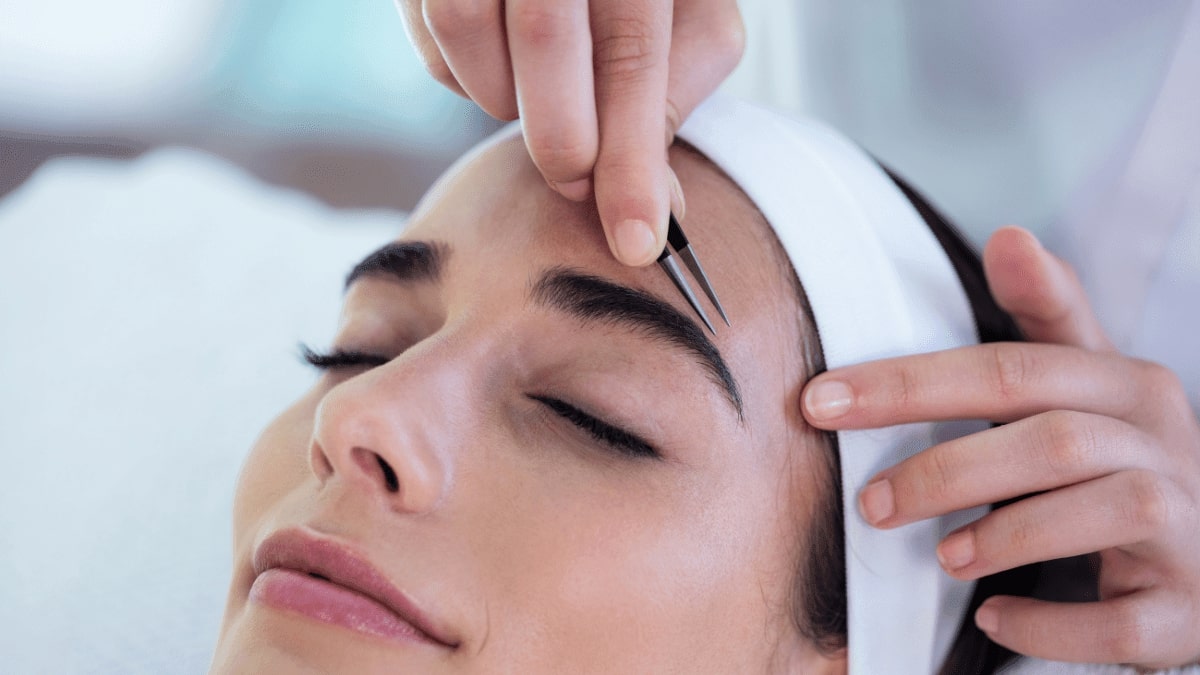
x,y
541,453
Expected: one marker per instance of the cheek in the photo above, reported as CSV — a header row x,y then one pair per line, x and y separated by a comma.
x,y
276,465
670,568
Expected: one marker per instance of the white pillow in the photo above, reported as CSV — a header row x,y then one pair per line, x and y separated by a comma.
x,y
149,317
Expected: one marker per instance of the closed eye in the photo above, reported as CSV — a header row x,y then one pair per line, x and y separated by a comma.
x,y
341,358
618,439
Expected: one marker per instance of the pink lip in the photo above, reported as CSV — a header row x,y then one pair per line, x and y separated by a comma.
x,y
352,593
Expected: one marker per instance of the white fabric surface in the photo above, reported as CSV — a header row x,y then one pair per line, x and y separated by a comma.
x,y
880,285
149,316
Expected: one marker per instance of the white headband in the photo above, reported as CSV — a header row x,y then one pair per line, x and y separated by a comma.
x,y
880,285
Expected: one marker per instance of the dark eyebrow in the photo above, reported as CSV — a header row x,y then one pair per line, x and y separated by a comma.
x,y
404,261
594,299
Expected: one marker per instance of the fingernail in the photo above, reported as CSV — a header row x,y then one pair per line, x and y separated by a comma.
x,y
577,190
987,618
958,550
678,205
828,400
635,242
877,502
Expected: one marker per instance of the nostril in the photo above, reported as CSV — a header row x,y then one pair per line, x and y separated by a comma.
x,y
389,476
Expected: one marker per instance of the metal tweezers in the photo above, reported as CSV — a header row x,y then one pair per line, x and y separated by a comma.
x,y
676,240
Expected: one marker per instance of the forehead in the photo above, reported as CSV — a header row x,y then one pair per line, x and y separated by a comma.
x,y
496,202
503,223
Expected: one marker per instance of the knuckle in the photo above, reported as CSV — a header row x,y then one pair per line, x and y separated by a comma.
x,y
938,478
562,156
902,388
1069,442
627,47
1163,386
1011,370
538,24
1024,533
459,18
1147,506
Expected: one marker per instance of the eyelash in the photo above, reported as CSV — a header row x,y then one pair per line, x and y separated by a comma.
x,y
618,439
341,358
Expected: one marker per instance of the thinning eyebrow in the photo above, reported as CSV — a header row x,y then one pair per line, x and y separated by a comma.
x,y
597,300
403,261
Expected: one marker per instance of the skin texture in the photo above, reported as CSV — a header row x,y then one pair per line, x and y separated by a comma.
x,y
1111,442
541,549
600,86
598,91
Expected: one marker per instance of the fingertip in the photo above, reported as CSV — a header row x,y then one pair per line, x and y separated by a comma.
x,y
634,218
634,243
1009,247
633,197
987,617
826,400
1017,232
877,502
1018,271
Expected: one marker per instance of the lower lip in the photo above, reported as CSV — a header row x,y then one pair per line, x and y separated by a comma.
x,y
330,603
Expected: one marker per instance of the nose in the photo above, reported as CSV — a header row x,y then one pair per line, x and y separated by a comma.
x,y
392,431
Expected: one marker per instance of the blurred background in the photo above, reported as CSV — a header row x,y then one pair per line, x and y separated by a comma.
x,y
327,97
330,99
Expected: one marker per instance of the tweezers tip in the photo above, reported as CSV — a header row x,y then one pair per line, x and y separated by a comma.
x,y
669,265
720,309
693,264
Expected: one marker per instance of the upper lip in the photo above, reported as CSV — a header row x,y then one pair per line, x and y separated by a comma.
x,y
304,551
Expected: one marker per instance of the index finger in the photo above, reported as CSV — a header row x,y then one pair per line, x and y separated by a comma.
x,y
552,65
631,43
1000,381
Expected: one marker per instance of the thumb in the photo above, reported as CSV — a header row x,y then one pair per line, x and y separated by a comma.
x,y
1040,291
